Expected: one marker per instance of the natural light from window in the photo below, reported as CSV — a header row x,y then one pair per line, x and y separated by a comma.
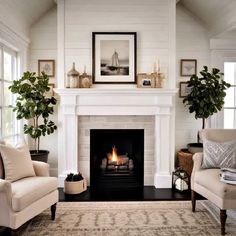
x,y
8,72
230,104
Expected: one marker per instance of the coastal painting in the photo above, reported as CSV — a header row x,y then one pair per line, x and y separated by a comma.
x,y
114,57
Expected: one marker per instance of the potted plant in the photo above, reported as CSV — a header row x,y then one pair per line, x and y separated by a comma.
x,y
74,184
34,106
206,96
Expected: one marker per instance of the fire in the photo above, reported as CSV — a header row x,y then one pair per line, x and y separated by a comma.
x,y
114,156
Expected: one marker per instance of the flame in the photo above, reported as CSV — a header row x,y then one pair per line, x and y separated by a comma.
x,y
114,156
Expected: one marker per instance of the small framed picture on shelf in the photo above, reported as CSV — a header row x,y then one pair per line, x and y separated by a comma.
x,y
183,89
188,67
46,66
50,93
145,81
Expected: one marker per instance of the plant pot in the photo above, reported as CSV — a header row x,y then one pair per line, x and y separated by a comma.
x,y
195,147
41,155
75,187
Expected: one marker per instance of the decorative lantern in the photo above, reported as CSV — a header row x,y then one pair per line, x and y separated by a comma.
x,y
85,80
72,78
180,180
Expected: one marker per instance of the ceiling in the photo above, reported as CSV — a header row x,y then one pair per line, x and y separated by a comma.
x,y
217,15
30,10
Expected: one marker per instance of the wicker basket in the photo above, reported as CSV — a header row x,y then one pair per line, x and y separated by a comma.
x,y
184,160
75,187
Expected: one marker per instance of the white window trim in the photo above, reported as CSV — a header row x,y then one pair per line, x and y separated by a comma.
x,y
217,120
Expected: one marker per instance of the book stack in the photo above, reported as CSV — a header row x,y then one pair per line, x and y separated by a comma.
x,y
228,175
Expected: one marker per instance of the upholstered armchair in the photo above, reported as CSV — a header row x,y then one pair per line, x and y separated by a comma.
x,y
207,182
25,198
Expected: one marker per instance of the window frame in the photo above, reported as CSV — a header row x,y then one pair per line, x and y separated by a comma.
x,y
14,69
232,60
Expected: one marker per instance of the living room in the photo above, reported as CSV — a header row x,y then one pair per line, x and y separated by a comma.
x,y
119,114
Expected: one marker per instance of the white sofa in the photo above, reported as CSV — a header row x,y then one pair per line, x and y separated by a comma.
x,y
23,199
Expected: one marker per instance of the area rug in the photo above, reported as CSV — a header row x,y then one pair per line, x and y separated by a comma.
x,y
127,219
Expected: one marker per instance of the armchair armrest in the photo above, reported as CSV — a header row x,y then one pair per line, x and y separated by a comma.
x,y
197,162
5,192
41,168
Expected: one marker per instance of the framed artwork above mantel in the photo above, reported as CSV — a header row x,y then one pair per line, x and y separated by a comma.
x,y
114,57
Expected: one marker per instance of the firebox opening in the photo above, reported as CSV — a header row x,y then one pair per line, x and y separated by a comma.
x,y
116,159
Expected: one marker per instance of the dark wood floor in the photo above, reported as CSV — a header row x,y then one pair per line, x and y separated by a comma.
x,y
148,193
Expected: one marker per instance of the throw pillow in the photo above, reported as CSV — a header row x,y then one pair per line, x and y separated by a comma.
x,y
219,155
17,161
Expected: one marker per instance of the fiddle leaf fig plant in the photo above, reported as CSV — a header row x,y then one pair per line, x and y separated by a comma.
x,y
33,105
207,93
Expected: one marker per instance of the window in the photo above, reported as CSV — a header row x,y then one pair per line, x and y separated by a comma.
x,y
230,99
9,126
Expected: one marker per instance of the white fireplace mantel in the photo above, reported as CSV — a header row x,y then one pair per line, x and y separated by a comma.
x,y
117,102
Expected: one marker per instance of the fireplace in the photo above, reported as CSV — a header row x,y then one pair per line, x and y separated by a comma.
x,y
116,160
117,104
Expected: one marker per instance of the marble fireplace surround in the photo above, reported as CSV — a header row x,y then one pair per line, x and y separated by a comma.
x,y
158,103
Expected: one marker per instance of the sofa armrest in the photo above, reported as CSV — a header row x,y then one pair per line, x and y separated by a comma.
x,y
41,168
197,162
5,190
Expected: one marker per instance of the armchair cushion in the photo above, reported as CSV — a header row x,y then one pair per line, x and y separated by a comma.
x,y
17,161
41,168
219,154
28,190
210,179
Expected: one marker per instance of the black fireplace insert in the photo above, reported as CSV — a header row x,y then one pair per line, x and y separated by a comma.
x,y
116,160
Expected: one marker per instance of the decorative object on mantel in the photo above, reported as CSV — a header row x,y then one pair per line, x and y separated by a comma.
x,y
34,106
75,184
72,78
188,67
46,66
180,180
114,57
85,80
206,95
159,78
145,81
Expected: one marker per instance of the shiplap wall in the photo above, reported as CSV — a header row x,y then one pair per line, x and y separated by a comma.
x,y
192,42
82,18
150,19
43,36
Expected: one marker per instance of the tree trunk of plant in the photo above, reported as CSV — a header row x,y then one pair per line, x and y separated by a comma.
x,y
203,123
203,127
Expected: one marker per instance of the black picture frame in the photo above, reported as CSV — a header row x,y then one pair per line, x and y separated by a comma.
x,y
188,67
102,45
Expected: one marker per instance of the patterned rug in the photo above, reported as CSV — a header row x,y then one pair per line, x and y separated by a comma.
x,y
127,219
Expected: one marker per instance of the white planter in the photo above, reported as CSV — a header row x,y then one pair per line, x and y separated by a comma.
x,y
75,187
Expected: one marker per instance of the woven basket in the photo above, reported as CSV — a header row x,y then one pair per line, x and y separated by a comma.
x,y
75,187
184,160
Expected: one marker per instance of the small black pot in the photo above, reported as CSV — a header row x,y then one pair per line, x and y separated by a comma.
x,y
195,147
41,155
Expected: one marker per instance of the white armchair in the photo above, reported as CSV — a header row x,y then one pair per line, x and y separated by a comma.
x,y
207,182
25,198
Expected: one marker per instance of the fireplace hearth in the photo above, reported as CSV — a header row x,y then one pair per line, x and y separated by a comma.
x,y
116,160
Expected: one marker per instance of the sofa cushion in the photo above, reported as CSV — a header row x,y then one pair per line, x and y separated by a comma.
x,y
219,155
28,190
17,161
210,179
